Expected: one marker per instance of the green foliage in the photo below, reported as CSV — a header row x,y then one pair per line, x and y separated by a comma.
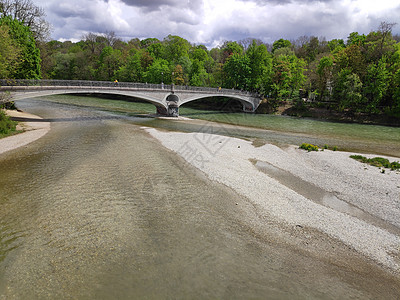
x,y
230,48
347,90
29,54
175,48
6,125
9,53
287,76
356,39
260,63
109,63
237,70
324,71
377,84
281,43
377,162
135,67
158,71
309,147
336,45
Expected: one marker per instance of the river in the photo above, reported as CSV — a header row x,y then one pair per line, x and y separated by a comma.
x,y
97,209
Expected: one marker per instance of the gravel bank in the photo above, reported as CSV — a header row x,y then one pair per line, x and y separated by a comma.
x,y
352,202
32,131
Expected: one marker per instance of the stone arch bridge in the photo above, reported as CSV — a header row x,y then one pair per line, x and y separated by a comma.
x,y
166,98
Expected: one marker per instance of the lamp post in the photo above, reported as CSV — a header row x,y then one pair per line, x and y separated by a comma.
x,y
162,80
172,84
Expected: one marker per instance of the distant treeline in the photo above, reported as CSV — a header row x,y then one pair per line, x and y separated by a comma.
x,y
360,75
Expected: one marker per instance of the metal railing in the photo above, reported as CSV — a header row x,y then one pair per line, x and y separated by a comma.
x,y
121,85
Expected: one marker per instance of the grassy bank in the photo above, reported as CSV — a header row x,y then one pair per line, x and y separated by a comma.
x,y
7,126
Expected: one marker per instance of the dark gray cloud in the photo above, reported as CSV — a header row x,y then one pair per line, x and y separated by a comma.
x,y
152,5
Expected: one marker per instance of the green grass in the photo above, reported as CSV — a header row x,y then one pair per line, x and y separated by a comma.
x,y
379,162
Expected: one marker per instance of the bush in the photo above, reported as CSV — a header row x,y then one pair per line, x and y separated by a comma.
x,y
309,147
6,125
379,162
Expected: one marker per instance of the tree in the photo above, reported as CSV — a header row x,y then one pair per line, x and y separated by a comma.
x,y
385,28
351,58
158,72
237,70
324,71
9,53
136,66
287,76
336,45
28,14
156,50
376,85
395,107
176,47
178,76
109,63
379,43
356,39
281,43
312,48
64,66
230,48
260,66
198,76
29,68
347,90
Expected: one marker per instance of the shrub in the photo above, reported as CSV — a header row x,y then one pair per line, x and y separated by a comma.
x,y
379,162
309,147
6,125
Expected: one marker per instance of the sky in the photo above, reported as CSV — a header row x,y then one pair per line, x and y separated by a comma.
x,y
212,22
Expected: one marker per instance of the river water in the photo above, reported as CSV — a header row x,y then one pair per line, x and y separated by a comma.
x,y
97,209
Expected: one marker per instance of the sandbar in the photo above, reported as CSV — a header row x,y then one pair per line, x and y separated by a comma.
x,y
359,205
32,130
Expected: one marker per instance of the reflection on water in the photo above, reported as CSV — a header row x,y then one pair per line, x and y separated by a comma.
x,y
97,209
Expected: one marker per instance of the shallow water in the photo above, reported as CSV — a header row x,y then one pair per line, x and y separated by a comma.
x,y
374,139
97,209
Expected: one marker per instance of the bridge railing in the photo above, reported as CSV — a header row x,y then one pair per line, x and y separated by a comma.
x,y
127,85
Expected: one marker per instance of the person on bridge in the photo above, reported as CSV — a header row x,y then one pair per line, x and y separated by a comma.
x,y
116,82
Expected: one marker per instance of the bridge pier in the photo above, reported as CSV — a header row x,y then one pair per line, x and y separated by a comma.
x,y
172,103
173,110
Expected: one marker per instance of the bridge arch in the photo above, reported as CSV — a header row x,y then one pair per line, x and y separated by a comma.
x,y
246,104
166,98
161,106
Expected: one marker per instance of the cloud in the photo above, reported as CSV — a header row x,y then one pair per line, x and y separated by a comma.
x,y
211,22
157,5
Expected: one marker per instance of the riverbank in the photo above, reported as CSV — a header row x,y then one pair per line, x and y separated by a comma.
x,y
320,112
32,130
325,192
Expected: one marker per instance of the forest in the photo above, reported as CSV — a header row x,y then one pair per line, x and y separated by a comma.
x,y
359,75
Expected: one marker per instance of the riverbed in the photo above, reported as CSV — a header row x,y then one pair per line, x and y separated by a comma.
x,y
99,208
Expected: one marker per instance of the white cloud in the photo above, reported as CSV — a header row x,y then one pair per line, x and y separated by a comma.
x,y
212,21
